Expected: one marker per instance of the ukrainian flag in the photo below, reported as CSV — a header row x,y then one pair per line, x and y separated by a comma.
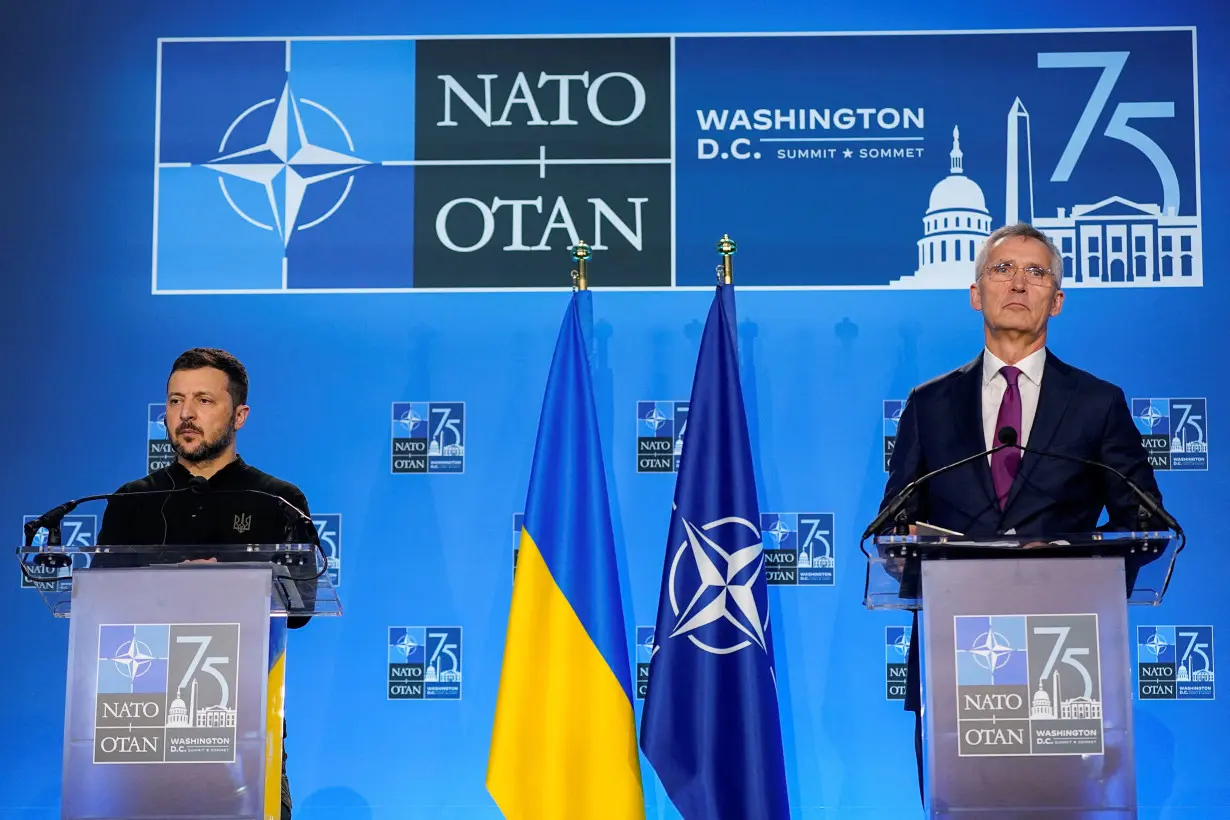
x,y
564,742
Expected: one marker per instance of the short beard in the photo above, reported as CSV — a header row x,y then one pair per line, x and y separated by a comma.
x,y
209,450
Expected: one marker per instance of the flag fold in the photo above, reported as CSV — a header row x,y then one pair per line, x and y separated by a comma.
x,y
710,725
563,745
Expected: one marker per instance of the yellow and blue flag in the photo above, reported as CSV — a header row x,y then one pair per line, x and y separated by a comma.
x,y
564,742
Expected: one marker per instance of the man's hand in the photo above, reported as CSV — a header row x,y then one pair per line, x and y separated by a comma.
x,y
200,561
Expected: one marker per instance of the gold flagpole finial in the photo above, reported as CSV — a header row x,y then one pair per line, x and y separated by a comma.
x,y
581,254
726,247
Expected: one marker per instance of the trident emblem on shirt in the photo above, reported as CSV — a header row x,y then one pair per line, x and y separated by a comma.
x,y
243,523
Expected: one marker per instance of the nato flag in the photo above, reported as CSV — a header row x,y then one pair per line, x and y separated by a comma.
x,y
710,726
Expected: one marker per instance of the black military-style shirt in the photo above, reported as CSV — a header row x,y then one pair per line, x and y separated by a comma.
x,y
218,510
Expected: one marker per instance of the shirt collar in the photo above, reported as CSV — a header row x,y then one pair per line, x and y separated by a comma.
x,y
181,473
1031,366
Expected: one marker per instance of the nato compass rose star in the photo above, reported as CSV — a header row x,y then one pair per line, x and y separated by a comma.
x,y
779,531
724,594
406,644
1151,415
1156,644
991,650
655,419
411,420
133,659
285,164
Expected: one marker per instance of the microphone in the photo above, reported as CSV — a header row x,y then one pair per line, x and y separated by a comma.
x,y
1007,436
52,518
894,507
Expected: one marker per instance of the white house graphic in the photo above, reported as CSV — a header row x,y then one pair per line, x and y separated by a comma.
x,y
1113,241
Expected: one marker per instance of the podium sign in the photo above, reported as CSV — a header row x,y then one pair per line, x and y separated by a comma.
x,y
169,694
1027,688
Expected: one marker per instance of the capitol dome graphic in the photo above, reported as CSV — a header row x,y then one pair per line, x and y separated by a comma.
x,y
955,225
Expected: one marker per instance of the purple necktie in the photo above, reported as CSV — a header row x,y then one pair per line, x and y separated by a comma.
x,y
1004,464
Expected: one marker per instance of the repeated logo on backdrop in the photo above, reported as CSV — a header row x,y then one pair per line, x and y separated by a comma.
x,y
896,654
429,437
166,693
355,164
892,417
1028,685
1174,663
424,663
643,652
1175,432
75,531
660,428
158,450
329,531
799,549
518,524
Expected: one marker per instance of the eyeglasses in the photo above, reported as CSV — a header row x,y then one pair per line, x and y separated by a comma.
x,y
1006,272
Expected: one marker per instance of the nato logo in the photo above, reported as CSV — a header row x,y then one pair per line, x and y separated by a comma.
x,y
892,417
717,603
896,654
166,693
1175,432
1174,662
284,165
75,531
158,451
526,142
643,651
329,531
429,437
798,548
518,524
1028,685
660,427
424,663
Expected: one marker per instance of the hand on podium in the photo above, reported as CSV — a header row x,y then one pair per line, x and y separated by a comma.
x,y
200,561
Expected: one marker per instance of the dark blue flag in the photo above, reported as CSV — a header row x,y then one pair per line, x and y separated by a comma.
x,y
710,727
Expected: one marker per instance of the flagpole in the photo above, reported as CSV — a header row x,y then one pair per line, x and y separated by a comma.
x,y
726,247
580,256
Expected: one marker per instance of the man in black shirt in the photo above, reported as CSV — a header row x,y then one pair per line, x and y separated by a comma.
x,y
230,502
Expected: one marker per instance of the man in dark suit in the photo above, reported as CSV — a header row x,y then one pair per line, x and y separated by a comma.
x,y
1016,382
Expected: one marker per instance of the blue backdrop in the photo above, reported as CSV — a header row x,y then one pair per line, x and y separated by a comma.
x,y
140,224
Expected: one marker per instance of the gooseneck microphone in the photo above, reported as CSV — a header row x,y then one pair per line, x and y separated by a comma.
x,y
52,518
895,506
1007,437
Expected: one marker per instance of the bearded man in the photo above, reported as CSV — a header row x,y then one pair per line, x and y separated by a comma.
x,y
230,501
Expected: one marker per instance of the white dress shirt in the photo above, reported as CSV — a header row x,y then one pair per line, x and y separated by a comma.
x,y
1029,383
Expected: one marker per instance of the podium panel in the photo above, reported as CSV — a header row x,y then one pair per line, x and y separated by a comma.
x,y
170,694
1027,689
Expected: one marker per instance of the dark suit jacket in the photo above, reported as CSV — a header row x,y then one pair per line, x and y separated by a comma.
x,y
1078,415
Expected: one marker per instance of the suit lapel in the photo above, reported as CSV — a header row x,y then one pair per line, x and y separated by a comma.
x,y
968,398
1056,391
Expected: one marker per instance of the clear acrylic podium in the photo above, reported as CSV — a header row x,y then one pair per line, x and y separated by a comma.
x,y
1025,666
176,672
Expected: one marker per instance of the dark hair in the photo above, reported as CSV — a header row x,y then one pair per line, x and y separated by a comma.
x,y
236,374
